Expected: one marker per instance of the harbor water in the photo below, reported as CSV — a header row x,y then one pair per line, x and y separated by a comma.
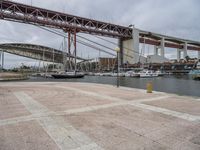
x,y
181,85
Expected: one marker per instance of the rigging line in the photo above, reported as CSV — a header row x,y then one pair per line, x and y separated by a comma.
x,y
89,45
61,45
106,40
59,34
96,43
79,41
34,24
87,40
133,51
102,45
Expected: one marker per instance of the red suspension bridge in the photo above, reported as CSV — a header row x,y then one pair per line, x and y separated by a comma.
x,y
18,12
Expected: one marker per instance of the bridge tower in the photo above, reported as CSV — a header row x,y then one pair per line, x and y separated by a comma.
x,y
1,60
199,55
156,50
160,48
178,55
130,48
72,41
184,50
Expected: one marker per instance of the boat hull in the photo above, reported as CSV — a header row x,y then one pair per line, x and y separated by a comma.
x,y
148,76
60,76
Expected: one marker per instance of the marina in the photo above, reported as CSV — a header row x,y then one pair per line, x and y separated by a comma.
x,y
129,81
181,85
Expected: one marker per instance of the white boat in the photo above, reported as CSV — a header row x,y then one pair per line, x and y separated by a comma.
x,y
128,74
97,74
160,73
101,74
90,74
131,74
48,75
107,74
148,74
65,75
195,71
121,74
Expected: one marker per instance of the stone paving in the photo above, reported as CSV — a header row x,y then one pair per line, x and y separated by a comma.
x,y
83,116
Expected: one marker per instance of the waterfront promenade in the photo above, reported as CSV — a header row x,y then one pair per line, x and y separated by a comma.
x,y
10,76
83,116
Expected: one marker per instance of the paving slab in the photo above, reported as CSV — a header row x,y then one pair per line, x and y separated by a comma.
x,y
110,90
180,104
57,99
83,116
10,107
135,128
25,136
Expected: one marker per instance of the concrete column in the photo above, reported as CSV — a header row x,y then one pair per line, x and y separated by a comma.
x,y
185,50
199,55
178,55
155,50
131,48
0,60
136,45
162,47
2,57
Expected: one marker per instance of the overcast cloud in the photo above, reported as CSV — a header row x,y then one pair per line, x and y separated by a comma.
x,y
178,18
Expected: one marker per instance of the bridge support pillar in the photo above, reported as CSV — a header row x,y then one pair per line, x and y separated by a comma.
x,y
178,55
0,60
155,50
131,48
136,45
162,47
185,50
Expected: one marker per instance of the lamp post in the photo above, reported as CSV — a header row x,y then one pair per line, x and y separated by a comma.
x,y
117,49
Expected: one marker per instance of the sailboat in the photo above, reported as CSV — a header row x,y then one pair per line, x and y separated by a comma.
x,y
148,74
69,74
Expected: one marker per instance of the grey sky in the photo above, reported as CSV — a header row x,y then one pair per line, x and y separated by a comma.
x,y
178,18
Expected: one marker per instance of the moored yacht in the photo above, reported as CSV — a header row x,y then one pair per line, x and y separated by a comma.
x,y
132,74
148,74
121,74
195,71
160,73
68,75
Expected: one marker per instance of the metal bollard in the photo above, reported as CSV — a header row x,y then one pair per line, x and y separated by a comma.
x,y
149,87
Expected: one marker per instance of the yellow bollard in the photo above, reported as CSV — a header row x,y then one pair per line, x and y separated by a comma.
x,y
149,87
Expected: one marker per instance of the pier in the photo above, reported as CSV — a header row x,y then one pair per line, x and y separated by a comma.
x,y
76,116
6,76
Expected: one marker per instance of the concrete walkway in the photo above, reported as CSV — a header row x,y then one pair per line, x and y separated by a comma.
x,y
80,116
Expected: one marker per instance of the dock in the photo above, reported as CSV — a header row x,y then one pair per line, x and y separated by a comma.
x,y
84,116
10,76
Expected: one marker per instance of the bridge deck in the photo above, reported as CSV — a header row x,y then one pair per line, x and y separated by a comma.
x,y
90,116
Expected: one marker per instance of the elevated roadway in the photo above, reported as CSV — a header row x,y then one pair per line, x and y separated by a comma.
x,y
36,52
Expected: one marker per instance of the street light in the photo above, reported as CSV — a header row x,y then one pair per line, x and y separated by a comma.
x,y
117,49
